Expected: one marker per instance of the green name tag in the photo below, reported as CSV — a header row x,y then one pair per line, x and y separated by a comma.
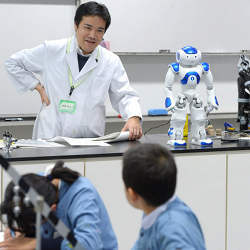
x,y
67,106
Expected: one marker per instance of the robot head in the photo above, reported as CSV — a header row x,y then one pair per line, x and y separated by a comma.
x,y
188,56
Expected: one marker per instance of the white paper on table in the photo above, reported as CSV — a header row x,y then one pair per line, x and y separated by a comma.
x,y
114,137
36,143
78,141
99,141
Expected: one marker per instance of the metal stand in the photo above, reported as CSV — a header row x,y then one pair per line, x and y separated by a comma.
x,y
78,2
39,209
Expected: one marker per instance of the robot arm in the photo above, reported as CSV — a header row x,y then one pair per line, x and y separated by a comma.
x,y
211,97
169,82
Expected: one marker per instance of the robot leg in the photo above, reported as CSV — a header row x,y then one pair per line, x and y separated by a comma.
x,y
175,132
199,121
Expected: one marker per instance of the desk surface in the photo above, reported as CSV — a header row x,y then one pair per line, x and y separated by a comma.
x,y
117,149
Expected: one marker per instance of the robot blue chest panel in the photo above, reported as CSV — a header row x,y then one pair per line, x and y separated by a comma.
x,y
191,77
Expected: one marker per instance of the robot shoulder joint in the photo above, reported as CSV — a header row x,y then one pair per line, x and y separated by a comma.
x,y
175,67
205,66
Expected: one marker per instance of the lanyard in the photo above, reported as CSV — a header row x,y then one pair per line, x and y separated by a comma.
x,y
73,86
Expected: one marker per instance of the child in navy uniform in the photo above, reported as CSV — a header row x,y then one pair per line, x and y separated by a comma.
x,y
149,174
75,201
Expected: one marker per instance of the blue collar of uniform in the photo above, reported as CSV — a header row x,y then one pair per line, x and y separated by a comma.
x,y
150,219
63,188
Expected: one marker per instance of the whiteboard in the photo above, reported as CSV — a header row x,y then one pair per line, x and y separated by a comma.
x,y
25,26
150,26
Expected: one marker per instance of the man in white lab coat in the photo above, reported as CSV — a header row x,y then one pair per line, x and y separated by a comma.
x,y
77,75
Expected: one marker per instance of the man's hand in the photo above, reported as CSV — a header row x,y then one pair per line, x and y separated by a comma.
x,y
134,126
19,243
43,94
7,234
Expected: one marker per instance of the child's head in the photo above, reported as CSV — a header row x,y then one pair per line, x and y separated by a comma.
x,y
149,170
24,221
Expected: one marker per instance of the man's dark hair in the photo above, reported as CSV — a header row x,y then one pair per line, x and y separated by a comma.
x,y
25,222
150,170
92,9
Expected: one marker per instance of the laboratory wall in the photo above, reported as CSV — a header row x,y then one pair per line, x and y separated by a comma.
x,y
25,25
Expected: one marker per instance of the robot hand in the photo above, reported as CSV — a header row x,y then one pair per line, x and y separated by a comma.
x,y
197,102
170,103
212,102
208,109
181,102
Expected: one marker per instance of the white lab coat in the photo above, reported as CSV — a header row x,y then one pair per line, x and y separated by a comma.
x,y
51,62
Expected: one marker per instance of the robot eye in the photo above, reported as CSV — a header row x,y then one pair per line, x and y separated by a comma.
x,y
195,56
187,56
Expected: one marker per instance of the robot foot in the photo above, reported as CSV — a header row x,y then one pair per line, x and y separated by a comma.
x,y
202,142
177,143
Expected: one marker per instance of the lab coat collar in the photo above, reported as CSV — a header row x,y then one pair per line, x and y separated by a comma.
x,y
150,219
72,60
80,52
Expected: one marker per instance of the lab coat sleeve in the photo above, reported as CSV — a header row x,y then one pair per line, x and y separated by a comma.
x,y
23,65
123,97
83,215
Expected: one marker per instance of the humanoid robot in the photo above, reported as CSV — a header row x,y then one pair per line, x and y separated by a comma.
x,y
244,93
189,71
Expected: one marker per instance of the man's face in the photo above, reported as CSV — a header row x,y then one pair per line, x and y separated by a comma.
x,y
89,33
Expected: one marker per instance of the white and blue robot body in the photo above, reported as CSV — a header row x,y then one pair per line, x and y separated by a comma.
x,y
199,121
190,78
212,102
190,74
175,132
189,71
169,82
188,56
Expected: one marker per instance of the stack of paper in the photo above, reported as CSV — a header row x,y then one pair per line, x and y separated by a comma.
x,y
78,141
99,141
114,137
58,140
